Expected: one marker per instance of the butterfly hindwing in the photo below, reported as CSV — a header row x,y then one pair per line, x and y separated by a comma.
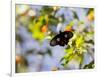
x,y
55,40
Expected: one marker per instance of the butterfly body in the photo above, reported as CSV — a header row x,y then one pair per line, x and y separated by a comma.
x,y
61,39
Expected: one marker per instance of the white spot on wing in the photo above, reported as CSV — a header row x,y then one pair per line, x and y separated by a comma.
x,y
58,39
65,35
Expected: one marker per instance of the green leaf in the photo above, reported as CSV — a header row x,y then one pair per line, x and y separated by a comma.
x,y
53,20
79,41
49,52
90,65
46,10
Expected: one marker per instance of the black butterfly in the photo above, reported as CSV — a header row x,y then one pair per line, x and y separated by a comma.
x,y
61,39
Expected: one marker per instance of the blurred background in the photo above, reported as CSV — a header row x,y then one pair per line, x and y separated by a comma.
x,y
36,25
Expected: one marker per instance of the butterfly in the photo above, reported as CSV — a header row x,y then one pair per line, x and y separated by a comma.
x,y
61,39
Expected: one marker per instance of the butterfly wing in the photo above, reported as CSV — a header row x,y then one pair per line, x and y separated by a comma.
x,y
53,42
66,36
56,40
